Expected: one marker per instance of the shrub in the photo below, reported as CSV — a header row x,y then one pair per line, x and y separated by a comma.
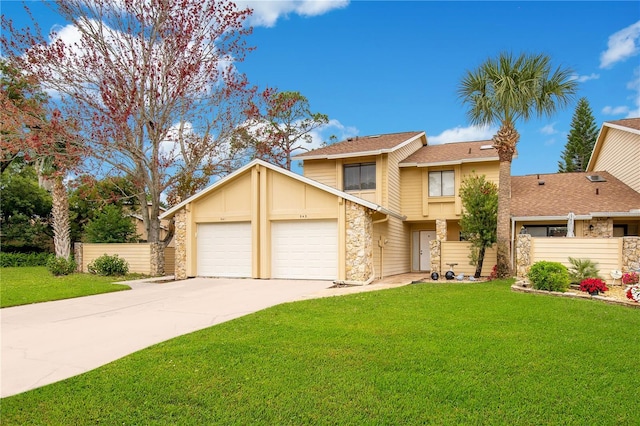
x,y
8,260
109,265
550,276
494,273
630,278
581,269
593,285
61,266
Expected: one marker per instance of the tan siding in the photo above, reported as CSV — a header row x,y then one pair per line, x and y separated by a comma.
x,y
607,252
323,171
490,169
392,195
232,202
138,256
458,252
411,193
620,156
292,199
396,252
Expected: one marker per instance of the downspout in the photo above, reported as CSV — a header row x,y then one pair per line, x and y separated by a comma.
x,y
381,245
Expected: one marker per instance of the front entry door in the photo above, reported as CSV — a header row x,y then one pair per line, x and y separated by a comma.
x,y
422,250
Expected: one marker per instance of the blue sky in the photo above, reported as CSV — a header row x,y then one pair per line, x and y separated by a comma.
x,y
383,67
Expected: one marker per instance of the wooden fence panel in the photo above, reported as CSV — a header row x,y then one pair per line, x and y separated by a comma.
x,y
138,256
458,252
169,260
606,252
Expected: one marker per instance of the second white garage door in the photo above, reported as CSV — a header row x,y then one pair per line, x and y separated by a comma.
x,y
305,249
224,249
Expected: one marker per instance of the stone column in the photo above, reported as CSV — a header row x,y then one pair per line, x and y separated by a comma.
x,y
359,243
435,249
630,253
157,259
441,229
180,238
602,227
523,255
77,256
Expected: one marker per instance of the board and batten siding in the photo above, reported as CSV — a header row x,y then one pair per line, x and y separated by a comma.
x,y
391,194
606,252
458,252
620,156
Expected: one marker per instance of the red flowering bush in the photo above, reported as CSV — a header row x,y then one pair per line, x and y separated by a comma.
x,y
494,273
593,285
630,278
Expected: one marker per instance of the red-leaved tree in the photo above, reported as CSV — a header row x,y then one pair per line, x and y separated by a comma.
x,y
152,85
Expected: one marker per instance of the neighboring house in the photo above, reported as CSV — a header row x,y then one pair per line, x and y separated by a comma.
x,y
603,205
141,230
617,151
365,207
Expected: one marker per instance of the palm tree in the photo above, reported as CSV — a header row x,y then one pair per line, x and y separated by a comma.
x,y
502,91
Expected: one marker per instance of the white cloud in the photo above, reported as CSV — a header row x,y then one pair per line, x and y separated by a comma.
x,y
609,110
463,134
550,142
548,129
583,78
621,46
267,13
323,134
634,86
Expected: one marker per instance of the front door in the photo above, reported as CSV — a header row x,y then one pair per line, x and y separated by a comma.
x,y
422,250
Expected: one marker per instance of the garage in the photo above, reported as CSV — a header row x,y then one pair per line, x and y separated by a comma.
x,y
224,249
304,249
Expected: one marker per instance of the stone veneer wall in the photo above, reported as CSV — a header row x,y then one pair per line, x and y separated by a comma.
x,y
157,259
630,253
180,238
441,229
523,255
359,243
602,227
77,256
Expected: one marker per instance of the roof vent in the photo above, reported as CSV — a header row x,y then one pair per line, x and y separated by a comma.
x,y
596,178
541,182
374,136
486,146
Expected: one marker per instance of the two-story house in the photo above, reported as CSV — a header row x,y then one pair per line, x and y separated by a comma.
x,y
366,207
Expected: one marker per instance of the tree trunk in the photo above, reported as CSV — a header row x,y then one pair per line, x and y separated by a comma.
x,y
480,261
60,215
505,142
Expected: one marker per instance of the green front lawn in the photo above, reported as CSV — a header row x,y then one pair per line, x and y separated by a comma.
x,y
421,354
21,286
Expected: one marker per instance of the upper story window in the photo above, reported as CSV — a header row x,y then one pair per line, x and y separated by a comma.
x,y
359,176
442,184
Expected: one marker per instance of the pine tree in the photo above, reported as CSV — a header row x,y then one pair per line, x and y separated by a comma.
x,y
580,141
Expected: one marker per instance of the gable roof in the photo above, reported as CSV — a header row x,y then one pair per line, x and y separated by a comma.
x,y
452,153
373,206
631,125
562,193
362,146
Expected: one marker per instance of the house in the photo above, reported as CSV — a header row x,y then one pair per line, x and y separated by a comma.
x,y
366,207
617,151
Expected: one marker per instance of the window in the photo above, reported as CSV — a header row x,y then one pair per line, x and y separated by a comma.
x,y
359,176
546,231
441,184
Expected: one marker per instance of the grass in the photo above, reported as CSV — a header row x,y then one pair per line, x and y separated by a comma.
x,y
422,354
21,286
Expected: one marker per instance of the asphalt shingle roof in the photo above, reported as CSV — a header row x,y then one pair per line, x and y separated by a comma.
x,y
570,192
632,123
452,152
361,144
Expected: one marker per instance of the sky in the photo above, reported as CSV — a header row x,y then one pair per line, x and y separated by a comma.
x,y
378,67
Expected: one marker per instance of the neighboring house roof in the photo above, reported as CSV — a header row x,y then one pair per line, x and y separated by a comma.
x,y
451,153
553,196
631,125
172,211
359,146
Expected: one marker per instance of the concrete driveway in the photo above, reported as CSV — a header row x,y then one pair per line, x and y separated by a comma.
x,y
47,342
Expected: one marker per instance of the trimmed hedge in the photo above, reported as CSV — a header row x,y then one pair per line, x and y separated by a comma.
x,y
12,260
550,276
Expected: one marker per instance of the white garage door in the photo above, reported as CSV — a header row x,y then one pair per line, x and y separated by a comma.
x,y
224,249
305,249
